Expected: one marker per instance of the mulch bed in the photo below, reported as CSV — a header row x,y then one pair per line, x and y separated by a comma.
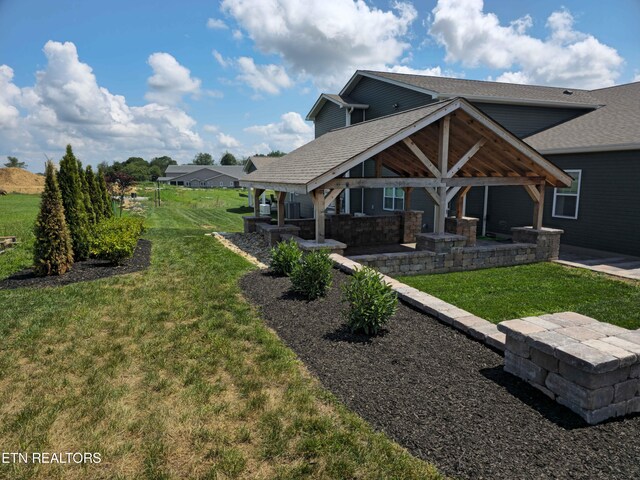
x,y
84,271
442,395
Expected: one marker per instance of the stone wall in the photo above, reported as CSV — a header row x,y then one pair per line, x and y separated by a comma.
x,y
457,260
546,239
592,368
465,226
400,227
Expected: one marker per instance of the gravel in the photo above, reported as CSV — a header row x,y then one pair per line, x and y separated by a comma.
x,y
442,395
252,243
83,271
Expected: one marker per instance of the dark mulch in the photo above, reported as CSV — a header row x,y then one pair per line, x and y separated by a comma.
x,y
442,395
84,271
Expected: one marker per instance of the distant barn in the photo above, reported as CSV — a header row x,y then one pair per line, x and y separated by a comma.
x,y
203,176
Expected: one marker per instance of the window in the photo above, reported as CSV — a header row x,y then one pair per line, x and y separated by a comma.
x,y
393,199
566,200
231,183
221,183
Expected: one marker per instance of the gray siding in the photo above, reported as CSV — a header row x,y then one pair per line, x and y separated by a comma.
x,y
523,120
608,214
329,117
381,97
357,116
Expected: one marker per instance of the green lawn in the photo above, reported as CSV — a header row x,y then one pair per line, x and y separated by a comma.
x,y
169,373
505,293
17,216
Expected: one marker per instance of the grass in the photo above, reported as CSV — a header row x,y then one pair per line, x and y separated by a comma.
x,y
169,373
17,216
513,292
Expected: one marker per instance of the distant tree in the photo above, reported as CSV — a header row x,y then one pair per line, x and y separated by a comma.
x,y
52,252
13,162
203,159
162,163
97,199
118,184
272,153
136,167
228,159
73,201
155,172
86,195
104,191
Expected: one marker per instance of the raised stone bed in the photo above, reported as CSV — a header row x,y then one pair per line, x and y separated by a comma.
x,y
592,368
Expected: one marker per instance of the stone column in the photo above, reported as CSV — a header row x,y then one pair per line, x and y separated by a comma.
x,y
546,240
465,226
411,225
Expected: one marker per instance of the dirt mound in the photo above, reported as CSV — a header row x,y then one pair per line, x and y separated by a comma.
x,y
18,180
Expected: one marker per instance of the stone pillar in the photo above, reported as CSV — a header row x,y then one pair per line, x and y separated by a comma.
x,y
546,240
439,243
465,226
250,222
411,225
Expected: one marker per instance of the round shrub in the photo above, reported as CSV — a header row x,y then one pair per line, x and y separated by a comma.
x,y
372,302
115,239
311,277
285,256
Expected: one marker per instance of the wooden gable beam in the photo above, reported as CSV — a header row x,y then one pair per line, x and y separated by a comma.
x,y
422,157
433,194
331,196
466,157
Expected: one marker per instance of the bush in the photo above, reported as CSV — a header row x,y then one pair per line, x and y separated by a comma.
x,y
115,239
285,256
371,301
311,277
52,253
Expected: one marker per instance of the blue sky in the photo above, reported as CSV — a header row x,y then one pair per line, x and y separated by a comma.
x,y
147,78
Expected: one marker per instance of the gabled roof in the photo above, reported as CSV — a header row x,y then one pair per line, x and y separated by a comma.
x,y
341,100
339,150
616,126
482,91
258,162
230,170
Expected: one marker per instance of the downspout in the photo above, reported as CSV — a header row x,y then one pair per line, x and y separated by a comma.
x,y
347,194
348,112
484,210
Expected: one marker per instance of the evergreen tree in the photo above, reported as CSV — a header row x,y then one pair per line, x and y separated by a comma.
x,y
52,254
104,191
86,195
97,199
74,207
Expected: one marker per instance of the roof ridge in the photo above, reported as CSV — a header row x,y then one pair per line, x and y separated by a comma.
x,y
428,105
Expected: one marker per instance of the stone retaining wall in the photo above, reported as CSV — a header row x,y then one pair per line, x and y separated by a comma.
x,y
459,259
400,227
592,368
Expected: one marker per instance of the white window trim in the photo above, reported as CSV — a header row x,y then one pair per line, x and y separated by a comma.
x,y
577,195
222,183
394,209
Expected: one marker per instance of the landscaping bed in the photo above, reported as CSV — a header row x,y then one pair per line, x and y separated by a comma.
x,y
442,395
91,269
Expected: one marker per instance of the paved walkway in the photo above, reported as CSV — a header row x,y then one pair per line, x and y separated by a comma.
x,y
624,266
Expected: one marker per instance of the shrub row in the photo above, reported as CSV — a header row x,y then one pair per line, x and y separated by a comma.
x,y
115,239
371,301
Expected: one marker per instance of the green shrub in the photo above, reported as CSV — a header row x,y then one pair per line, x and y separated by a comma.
x,y
285,256
52,253
371,301
311,277
115,239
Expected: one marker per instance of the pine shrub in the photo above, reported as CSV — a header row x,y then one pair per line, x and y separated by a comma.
x,y
285,256
97,199
74,206
106,197
86,195
115,239
52,254
311,277
372,302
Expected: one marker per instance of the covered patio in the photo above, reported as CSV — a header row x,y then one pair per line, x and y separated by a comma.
x,y
444,149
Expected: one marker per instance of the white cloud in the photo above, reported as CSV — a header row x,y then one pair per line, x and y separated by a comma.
x,y
67,105
227,141
263,78
170,81
567,57
216,24
287,135
220,59
433,72
636,77
210,128
9,97
325,40
237,35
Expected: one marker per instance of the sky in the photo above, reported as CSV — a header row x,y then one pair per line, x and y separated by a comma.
x,y
149,78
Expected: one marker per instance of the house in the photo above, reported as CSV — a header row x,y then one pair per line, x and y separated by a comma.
x,y
592,135
203,176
